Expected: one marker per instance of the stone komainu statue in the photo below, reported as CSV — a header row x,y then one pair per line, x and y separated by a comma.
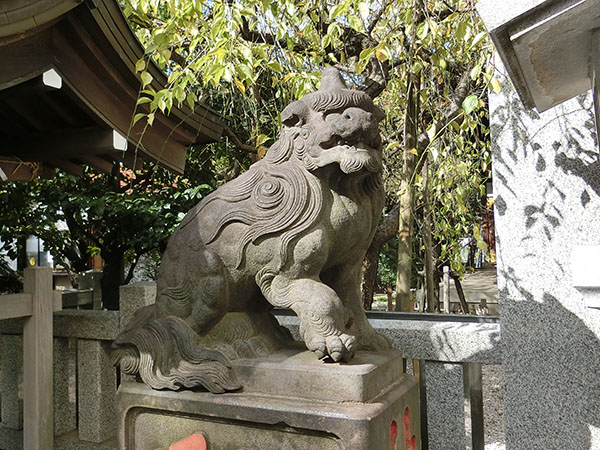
x,y
291,232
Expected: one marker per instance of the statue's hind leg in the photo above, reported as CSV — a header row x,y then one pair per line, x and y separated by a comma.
x,y
161,345
192,285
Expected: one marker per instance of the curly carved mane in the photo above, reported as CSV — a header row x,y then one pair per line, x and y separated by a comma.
x,y
277,196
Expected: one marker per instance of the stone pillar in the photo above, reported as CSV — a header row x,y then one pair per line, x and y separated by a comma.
x,y
11,376
547,206
11,379
65,385
97,381
133,297
595,73
444,387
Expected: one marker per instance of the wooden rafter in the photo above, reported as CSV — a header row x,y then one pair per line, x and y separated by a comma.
x,y
64,145
90,52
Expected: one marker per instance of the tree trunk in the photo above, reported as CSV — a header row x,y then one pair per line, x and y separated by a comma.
x,y
112,278
384,233
461,294
21,254
404,299
390,298
369,276
432,299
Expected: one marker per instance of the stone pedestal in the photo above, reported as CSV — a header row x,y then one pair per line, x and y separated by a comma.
x,y
290,401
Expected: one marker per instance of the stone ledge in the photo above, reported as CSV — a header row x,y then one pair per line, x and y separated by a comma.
x,y
13,440
300,374
82,324
434,340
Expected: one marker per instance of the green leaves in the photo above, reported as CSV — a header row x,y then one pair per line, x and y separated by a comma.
x,y
275,66
146,79
470,104
140,65
339,9
479,37
248,59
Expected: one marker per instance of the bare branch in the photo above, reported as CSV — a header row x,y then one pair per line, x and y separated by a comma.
x,y
388,228
377,17
178,59
265,38
238,142
460,93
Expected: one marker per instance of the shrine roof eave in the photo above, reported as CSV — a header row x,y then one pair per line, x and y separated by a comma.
x,y
69,88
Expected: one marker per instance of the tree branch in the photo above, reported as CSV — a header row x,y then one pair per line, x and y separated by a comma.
x,y
238,142
132,267
377,17
265,38
385,232
178,59
389,227
456,100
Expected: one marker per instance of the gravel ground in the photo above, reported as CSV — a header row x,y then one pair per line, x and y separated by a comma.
x,y
493,408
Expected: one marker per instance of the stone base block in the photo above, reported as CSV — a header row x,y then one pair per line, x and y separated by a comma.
x,y
311,405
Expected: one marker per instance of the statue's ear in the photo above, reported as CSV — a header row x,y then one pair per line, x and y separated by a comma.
x,y
295,114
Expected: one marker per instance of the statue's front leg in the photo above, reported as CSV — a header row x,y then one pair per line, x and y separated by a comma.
x,y
345,280
322,315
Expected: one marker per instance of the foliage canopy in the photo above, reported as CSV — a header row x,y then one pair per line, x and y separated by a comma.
x,y
247,59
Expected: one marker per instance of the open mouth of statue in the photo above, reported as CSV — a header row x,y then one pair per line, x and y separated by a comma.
x,y
345,145
351,155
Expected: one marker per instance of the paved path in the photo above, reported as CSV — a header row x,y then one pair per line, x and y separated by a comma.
x,y
478,285
481,280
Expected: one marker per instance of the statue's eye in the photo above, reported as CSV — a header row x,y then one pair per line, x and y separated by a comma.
x,y
293,120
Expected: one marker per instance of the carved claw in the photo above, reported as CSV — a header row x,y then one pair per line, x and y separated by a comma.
x,y
338,348
317,345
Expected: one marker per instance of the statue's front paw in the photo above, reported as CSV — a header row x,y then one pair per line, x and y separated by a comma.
x,y
338,348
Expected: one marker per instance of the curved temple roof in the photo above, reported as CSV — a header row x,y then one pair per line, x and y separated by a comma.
x,y
68,89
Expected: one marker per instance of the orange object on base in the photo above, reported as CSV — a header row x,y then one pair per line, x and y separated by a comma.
x,y
194,442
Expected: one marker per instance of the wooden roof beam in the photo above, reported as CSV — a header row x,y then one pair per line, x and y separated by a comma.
x,y
131,160
48,81
72,144
99,163
68,166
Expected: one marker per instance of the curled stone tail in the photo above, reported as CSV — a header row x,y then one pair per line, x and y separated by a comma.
x,y
162,352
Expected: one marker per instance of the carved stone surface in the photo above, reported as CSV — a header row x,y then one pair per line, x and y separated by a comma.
x,y
298,419
547,206
290,232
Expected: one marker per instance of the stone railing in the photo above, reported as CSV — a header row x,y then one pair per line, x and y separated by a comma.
x,y
447,352
85,382
34,309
